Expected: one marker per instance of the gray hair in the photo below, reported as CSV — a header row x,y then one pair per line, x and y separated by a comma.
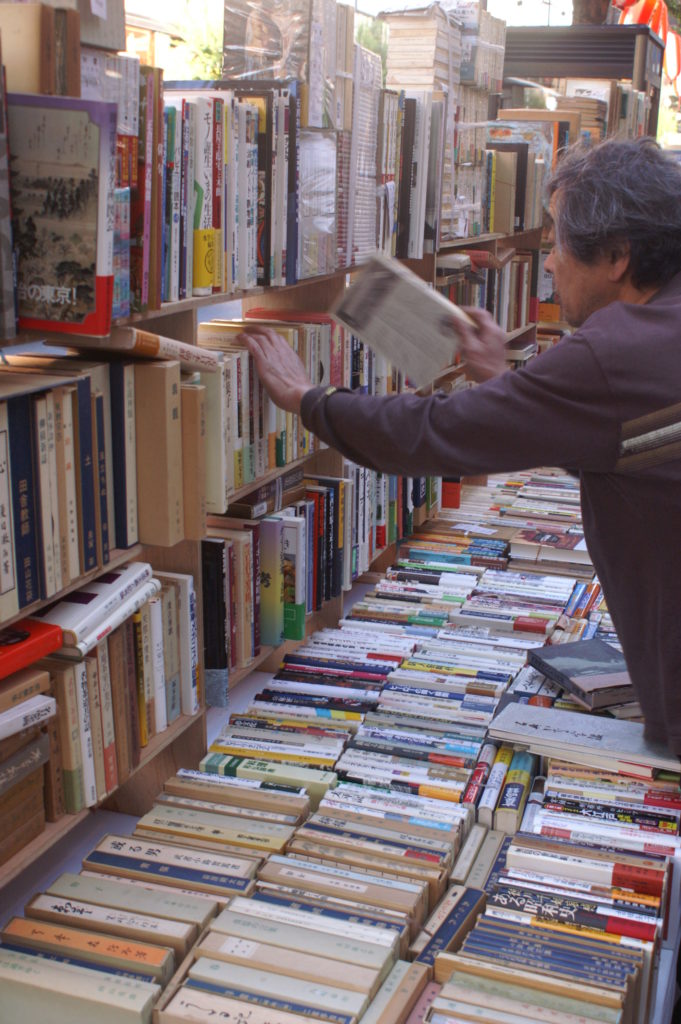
x,y
621,193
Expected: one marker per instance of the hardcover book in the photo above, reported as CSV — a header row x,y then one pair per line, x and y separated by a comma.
x,y
24,642
62,169
592,671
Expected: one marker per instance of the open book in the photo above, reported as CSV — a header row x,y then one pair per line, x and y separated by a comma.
x,y
400,317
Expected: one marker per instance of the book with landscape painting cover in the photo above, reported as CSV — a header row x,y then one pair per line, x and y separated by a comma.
x,y
62,171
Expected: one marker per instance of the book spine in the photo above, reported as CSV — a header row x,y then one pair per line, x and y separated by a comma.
x,y
139,673
158,666
204,238
23,492
85,476
122,384
87,750
107,713
69,736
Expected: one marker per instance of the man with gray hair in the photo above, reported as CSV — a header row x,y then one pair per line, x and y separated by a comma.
x,y
585,404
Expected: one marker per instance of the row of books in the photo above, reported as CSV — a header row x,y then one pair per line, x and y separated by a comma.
x,y
122,667
247,436
388,725
98,455
271,572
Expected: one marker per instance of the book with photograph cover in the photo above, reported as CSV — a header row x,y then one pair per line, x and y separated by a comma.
x,y
592,671
62,171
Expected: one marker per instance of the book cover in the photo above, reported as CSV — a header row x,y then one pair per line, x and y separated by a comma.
x,y
399,316
188,639
24,642
159,453
592,671
81,611
62,170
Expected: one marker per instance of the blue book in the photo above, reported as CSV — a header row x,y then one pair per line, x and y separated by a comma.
x,y
122,388
23,499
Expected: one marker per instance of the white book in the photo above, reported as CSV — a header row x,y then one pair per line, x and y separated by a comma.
x,y
157,663
35,989
280,986
81,611
189,646
586,739
114,619
33,711
87,751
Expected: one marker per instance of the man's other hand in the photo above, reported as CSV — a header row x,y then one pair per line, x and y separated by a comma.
x,y
483,347
279,368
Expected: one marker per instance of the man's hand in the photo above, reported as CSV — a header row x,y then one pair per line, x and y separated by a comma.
x,y
483,346
279,368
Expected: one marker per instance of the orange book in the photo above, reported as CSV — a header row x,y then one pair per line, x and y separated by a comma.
x,y
83,944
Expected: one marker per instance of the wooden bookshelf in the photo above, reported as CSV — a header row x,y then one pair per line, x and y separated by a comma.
x,y
54,831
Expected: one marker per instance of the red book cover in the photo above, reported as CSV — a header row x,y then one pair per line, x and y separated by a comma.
x,y
63,171
24,642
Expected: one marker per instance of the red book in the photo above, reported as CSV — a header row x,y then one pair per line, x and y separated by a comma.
x,y
24,642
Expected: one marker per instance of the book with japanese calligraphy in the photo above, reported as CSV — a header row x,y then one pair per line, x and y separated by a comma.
x,y
63,992
62,172
137,957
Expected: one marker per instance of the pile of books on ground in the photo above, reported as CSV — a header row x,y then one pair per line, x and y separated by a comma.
x,y
409,822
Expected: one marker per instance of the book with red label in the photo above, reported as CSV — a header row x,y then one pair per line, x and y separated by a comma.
x,y
63,171
24,642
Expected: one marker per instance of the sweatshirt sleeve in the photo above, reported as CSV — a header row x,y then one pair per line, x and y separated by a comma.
x,y
558,410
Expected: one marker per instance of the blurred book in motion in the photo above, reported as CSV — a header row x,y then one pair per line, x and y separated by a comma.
x,y
400,317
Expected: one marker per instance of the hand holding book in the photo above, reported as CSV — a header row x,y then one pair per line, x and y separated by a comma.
x,y
482,346
279,368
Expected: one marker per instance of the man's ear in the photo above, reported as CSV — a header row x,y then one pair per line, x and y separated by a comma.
x,y
618,257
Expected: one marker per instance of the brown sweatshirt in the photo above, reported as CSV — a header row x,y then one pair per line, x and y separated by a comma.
x,y
566,408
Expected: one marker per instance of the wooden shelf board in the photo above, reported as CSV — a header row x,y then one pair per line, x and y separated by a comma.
x,y
520,331
54,831
273,474
163,739
51,834
184,305
530,239
239,674
117,557
198,301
